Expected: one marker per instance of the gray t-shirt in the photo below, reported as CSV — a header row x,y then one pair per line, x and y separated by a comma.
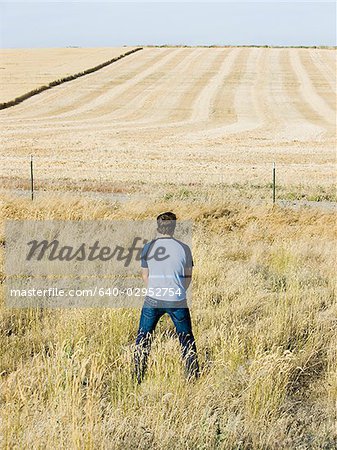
x,y
166,258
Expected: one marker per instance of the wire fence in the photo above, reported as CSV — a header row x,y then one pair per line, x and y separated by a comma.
x,y
39,176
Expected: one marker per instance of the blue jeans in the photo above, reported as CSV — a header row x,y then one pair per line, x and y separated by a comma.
x,y
151,313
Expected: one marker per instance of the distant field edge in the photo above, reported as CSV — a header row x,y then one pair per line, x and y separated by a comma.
x,y
323,47
54,83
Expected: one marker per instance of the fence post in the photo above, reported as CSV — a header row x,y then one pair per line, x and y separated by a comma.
x,y
31,177
222,188
274,183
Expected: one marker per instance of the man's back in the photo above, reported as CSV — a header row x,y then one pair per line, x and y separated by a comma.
x,y
167,260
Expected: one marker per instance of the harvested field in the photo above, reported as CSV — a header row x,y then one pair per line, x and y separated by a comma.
x,y
188,114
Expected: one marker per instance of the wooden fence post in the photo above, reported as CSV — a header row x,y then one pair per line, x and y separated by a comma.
x,y
274,183
31,177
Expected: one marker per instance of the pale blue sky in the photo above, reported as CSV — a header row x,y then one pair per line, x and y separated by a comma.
x,y
98,24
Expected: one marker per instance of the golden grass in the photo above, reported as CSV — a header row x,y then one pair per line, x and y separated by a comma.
x,y
264,315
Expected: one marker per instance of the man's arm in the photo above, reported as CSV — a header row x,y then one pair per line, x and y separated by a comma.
x,y
188,276
188,267
144,265
145,275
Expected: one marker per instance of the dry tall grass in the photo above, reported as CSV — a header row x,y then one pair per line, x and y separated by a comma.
x,y
264,315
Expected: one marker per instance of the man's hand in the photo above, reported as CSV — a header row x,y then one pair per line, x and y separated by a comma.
x,y
145,275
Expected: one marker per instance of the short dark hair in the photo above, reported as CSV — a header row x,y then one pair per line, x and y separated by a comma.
x,y
166,223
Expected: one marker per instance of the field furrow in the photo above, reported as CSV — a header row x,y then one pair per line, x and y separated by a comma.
x,y
326,71
299,94
308,92
195,84
151,101
319,80
286,104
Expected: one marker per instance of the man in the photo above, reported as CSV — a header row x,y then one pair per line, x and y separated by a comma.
x,y
167,272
